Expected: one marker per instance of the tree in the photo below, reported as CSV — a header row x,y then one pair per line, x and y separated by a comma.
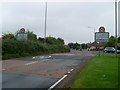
x,y
51,40
71,45
8,36
118,39
60,40
84,46
41,39
111,42
76,46
31,35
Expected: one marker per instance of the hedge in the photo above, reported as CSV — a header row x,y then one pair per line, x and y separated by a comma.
x,y
13,48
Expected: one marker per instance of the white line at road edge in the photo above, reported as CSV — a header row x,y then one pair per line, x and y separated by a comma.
x,y
57,82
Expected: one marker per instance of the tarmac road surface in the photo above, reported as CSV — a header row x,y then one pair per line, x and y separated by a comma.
x,y
41,71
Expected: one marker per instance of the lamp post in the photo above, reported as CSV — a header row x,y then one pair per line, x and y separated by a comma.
x,y
116,26
93,29
94,38
45,22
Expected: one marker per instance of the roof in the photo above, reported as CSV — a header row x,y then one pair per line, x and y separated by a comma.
x,y
118,44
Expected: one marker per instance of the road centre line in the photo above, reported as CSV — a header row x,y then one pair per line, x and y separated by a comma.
x,y
71,70
31,63
57,82
45,60
36,62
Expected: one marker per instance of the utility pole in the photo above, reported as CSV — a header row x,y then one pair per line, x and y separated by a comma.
x,y
45,22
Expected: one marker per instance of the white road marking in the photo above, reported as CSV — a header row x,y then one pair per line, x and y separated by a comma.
x,y
41,57
45,60
68,72
31,63
57,82
64,54
33,57
71,70
36,62
49,56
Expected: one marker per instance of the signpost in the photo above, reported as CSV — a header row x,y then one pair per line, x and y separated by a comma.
x,y
101,36
21,35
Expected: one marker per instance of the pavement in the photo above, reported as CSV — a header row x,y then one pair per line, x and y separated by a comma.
x,y
41,71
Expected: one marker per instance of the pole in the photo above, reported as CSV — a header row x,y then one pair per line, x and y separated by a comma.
x,y
116,27
99,48
45,21
94,31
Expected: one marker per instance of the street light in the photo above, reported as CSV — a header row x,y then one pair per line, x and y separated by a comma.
x,y
45,21
116,26
93,29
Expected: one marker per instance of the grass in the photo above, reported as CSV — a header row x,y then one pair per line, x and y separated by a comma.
x,y
101,72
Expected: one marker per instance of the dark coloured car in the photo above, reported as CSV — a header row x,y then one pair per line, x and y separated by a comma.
x,y
109,50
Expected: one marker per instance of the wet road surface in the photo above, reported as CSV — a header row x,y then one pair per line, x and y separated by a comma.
x,y
41,71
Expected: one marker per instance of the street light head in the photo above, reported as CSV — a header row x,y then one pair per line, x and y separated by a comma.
x,y
90,27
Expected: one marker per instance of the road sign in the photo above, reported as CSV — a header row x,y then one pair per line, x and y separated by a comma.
x,y
22,36
101,29
101,36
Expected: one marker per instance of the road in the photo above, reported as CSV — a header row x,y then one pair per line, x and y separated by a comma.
x,y
41,71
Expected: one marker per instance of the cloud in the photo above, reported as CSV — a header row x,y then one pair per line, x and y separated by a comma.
x,y
68,20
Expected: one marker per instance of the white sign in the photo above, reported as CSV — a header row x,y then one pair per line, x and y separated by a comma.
x,y
22,36
101,36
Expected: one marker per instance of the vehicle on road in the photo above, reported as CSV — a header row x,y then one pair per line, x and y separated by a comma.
x,y
109,50
118,51
80,49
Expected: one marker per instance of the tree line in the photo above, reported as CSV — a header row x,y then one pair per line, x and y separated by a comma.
x,y
12,48
111,43
77,46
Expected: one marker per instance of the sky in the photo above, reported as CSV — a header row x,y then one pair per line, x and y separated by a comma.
x,y
68,20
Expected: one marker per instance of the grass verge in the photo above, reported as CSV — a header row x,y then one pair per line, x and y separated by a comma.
x,y
101,72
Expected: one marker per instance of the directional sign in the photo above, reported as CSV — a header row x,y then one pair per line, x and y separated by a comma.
x,y
101,36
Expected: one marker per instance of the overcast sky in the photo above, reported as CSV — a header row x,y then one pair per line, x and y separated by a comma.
x,y
68,20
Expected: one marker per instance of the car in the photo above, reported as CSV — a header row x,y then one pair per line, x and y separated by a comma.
x,y
118,51
109,50
92,49
80,49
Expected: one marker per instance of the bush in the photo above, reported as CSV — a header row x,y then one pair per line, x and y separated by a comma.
x,y
13,48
